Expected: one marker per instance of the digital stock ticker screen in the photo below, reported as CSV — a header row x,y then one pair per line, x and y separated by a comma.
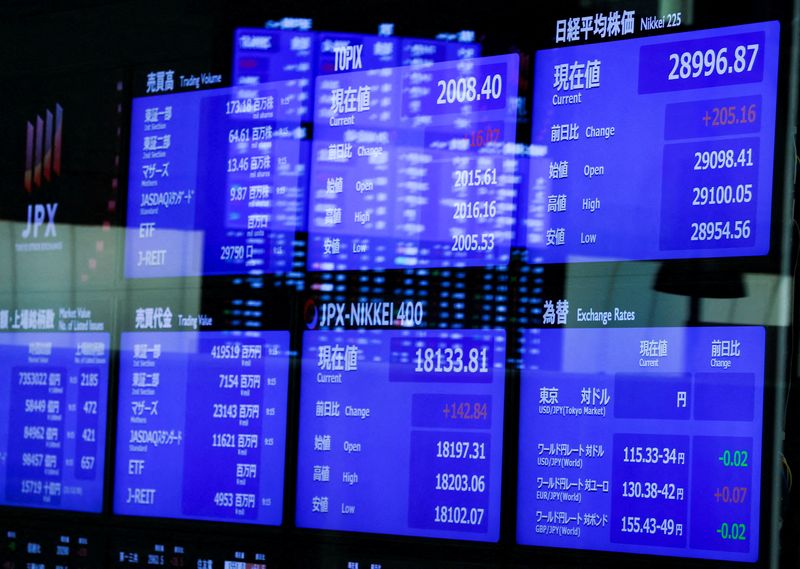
x,y
675,132
438,286
647,447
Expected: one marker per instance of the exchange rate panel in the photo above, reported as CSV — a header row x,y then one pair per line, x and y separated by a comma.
x,y
215,182
408,165
642,440
401,432
53,395
188,400
654,148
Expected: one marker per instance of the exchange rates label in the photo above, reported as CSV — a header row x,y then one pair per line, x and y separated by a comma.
x,y
408,165
53,395
642,440
188,400
654,148
215,182
401,432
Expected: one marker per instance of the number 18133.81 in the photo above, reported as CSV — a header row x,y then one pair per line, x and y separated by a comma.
x,y
451,360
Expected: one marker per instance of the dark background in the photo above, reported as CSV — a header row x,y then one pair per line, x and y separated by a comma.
x,y
92,55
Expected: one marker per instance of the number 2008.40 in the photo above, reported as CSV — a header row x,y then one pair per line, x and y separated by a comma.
x,y
464,89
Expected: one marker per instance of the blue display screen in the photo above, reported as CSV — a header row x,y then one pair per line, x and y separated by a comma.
x,y
418,51
654,148
53,396
215,182
188,400
265,56
401,432
395,285
408,167
642,440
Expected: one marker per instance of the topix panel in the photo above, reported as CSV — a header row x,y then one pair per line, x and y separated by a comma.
x,y
654,148
188,400
401,432
408,167
642,440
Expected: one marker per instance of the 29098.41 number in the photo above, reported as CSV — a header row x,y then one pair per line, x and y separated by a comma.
x,y
722,159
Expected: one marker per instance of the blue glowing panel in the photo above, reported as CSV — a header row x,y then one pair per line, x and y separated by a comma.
x,y
53,396
265,56
642,440
188,400
215,183
401,432
408,166
418,51
655,148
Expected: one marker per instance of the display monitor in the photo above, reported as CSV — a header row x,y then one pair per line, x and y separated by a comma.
x,y
657,147
215,182
276,55
53,395
642,440
408,167
401,432
209,408
60,165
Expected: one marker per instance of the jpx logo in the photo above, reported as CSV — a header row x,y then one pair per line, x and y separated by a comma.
x,y
347,57
38,214
43,148
42,163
